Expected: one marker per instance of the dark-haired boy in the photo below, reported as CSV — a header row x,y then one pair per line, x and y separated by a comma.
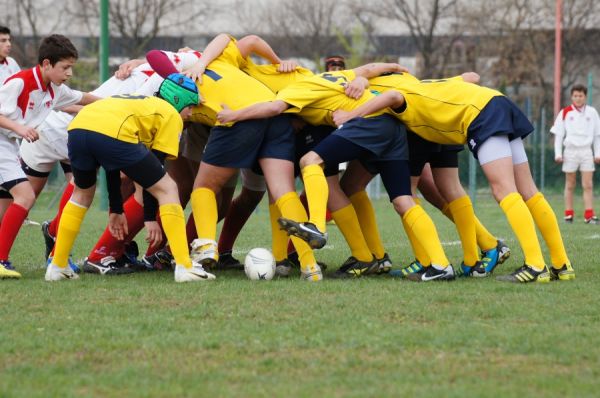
x,y
8,66
26,98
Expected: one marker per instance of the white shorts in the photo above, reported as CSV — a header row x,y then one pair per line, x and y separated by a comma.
x,y
578,158
10,165
42,155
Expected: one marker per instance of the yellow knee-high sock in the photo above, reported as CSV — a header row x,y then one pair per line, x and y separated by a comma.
x,y
426,234
347,221
420,254
204,207
485,240
446,211
368,224
290,207
173,223
464,219
317,192
545,219
68,228
278,236
521,222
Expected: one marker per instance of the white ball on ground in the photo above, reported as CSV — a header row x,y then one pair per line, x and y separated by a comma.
x,y
259,264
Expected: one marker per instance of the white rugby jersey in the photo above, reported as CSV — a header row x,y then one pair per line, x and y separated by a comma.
x,y
181,61
8,67
576,128
25,99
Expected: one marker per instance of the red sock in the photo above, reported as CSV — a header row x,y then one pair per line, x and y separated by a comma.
x,y
237,215
108,245
190,229
52,228
589,213
569,213
11,224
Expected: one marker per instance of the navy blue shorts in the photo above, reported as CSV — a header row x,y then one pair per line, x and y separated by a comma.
x,y
241,145
383,136
422,151
499,117
306,140
395,173
88,150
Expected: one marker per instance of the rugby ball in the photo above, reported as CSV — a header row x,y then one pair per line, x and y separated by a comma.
x,y
259,264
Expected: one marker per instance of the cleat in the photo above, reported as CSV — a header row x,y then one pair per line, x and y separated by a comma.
x,y
495,256
7,271
304,230
432,273
192,274
564,273
55,273
411,268
283,268
384,264
569,219
592,220
204,252
48,238
480,269
353,268
466,270
228,262
526,274
312,273
161,260
71,263
106,266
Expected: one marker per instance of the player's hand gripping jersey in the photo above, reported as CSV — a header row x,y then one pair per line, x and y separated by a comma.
x,y
134,119
316,98
438,110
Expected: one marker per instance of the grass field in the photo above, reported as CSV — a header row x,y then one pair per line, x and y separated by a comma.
x,y
143,335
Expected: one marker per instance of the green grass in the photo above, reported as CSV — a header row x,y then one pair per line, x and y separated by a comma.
x,y
144,335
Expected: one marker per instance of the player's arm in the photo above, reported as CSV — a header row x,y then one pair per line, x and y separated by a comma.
x,y
558,129
255,44
210,53
27,133
117,223
260,110
88,98
596,142
390,99
127,67
375,69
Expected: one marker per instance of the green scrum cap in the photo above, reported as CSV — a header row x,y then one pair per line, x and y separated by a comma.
x,y
179,91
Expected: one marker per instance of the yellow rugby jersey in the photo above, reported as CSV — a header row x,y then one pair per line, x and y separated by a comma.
x,y
225,83
316,98
441,110
134,119
273,79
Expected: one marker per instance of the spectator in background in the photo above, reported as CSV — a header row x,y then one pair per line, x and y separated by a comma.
x,y
577,131
334,63
8,66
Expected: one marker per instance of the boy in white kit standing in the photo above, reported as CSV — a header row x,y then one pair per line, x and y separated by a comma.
x,y
577,147
26,98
